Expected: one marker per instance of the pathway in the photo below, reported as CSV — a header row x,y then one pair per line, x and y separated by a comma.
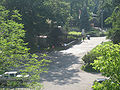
x,y
65,73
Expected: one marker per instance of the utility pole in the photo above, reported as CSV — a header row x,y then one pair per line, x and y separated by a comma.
x,y
102,20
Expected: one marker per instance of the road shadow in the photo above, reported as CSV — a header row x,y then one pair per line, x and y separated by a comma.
x,y
58,72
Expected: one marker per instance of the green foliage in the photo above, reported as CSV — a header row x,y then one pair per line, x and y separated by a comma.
x,y
103,9
41,16
56,37
74,33
109,64
106,85
98,86
116,2
90,57
114,33
14,55
35,15
71,38
96,33
80,12
15,84
84,20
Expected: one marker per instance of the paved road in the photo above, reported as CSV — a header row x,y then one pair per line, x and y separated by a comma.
x,y
65,73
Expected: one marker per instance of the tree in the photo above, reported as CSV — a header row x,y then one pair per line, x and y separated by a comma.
x,y
114,33
84,21
35,14
109,12
80,12
109,61
14,55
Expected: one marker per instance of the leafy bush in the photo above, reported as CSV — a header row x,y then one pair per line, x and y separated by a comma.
x,y
74,33
96,33
97,86
90,57
71,36
108,63
106,85
114,35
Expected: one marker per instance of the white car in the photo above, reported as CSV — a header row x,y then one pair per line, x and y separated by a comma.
x,y
13,76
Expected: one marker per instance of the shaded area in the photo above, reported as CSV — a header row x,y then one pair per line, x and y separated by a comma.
x,y
60,71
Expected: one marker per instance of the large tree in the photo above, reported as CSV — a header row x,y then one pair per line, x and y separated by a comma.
x,y
14,55
80,12
37,13
114,32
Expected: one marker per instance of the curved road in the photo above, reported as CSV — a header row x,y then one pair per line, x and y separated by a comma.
x,y
64,72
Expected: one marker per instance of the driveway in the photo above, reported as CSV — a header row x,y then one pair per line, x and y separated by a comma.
x,y
64,72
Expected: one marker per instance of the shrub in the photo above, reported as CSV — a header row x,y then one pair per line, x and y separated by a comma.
x,y
109,65
96,33
74,33
114,35
90,57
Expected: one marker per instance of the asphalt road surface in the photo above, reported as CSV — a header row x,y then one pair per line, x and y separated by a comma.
x,y
64,72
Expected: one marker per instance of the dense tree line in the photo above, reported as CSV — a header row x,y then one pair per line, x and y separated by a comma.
x,y
114,32
106,57
41,16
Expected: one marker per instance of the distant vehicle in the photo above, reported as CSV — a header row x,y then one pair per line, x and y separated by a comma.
x,y
13,76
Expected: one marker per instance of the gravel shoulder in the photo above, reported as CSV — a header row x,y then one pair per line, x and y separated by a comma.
x,y
64,72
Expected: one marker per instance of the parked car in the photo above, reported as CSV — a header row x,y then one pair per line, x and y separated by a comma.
x,y
13,76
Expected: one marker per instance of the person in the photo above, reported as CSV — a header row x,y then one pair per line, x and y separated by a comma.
x,y
83,37
83,34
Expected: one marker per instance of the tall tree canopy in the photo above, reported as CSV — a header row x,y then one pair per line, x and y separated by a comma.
x,y
41,16
37,13
114,32
14,55
109,61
